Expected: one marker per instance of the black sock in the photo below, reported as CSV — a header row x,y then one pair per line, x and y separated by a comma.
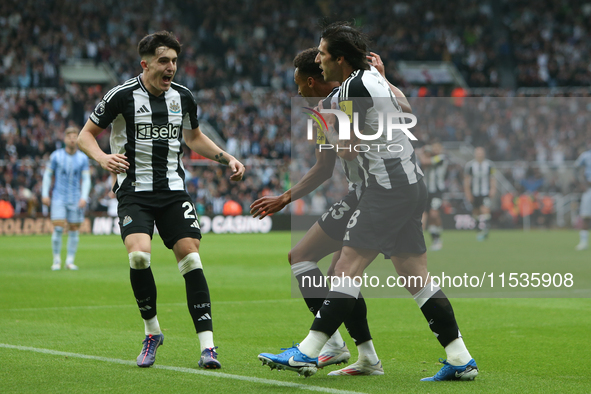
x,y
144,290
335,309
314,288
198,300
440,315
356,322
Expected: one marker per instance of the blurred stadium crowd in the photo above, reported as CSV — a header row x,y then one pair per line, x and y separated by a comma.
x,y
237,58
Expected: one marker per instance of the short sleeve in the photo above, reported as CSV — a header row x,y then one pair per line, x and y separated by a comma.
x,y
105,112
53,161
355,98
190,120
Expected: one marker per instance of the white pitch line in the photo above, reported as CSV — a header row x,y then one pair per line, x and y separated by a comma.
x,y
58,308
220,375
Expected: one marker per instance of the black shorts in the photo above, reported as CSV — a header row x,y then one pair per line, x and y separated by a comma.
x,y
389,221
435,201
480,201
334,221
173,213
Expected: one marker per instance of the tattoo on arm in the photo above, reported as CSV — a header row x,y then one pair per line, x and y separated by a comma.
x,y
221,159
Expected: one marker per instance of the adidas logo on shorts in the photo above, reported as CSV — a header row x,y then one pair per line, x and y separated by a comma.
x,y
127,220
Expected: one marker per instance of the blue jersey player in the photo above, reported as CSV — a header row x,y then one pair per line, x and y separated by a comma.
x,y
69,167
584,161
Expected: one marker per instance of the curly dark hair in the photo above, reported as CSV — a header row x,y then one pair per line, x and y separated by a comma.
x,y
343,39
147,45
305,62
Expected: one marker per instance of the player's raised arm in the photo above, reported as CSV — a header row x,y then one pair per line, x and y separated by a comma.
x,y
375,60
201,144
114,162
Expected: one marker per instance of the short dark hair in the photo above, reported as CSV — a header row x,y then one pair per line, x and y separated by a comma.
x,y
147,45
305,62
342,39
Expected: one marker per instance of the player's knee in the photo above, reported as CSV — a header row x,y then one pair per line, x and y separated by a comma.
x,y
190,262
139,260
73,227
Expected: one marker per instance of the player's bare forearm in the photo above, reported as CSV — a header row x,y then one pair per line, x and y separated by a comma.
x,y
401,98
115,162
467,188
268,205
320,172
493,187
316,176
201,144
375,60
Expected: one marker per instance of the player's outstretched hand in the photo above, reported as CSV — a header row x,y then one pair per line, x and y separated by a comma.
x,y
375,60
237,170
267,205
115,163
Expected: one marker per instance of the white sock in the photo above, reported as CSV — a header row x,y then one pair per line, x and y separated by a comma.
x,y
313,343
584,234
152,327
57,259
205,339
368,352
457,353
336,340
69,260
303,267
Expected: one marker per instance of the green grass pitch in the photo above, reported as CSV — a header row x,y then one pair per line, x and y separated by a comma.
x,y
80,332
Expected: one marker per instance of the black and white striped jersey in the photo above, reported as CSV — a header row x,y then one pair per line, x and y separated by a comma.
x,y
435,174
367,93
353,172
481,173
148,131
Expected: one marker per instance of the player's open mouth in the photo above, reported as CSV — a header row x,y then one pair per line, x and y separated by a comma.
x,y
167,78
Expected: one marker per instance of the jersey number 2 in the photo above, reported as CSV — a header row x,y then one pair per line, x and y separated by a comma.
x,y
189,207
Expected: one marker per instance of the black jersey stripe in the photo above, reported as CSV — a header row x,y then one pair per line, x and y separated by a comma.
x,y
159,146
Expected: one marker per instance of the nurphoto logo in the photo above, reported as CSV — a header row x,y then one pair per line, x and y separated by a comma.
x,y
387,124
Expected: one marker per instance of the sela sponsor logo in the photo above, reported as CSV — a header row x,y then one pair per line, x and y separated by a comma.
x,y
157,132
387,124
174,107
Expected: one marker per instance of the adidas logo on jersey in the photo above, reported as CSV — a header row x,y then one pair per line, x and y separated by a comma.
x,y
195,224
127,220
346,237
142,110
204,317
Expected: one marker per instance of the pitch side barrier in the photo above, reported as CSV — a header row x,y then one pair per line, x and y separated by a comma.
x,y
106,225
